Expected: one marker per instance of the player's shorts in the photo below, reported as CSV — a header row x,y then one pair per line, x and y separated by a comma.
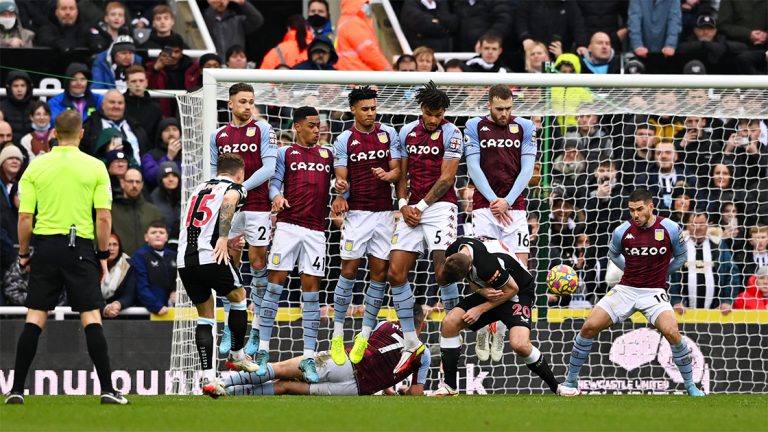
x,y
199,280
622,301
292,243
257,227
335,380
514,313
515,235
56,267
367,233
435,232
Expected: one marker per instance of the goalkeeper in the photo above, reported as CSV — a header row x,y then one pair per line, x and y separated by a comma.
x,y
371,375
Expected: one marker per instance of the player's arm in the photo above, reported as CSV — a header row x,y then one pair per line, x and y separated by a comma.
x,y
527,162
419,379
679,251
27,206
472,151
393,175
615,249
451,159
401,187
226,213
268,158
214,152
276,183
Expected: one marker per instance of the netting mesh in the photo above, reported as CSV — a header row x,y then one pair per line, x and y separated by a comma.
x,y
700,149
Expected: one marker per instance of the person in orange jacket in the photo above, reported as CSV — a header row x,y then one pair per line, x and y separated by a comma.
x,y
356,42
756,294
293,49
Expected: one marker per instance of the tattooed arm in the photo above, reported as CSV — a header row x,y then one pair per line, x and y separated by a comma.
x,y
445,182
227,212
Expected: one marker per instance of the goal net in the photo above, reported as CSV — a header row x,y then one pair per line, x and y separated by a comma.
x,y
701,147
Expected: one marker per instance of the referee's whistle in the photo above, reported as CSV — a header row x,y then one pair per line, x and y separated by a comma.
x,y
72,236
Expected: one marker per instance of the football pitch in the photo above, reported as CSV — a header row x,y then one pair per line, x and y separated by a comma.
x,y
391,413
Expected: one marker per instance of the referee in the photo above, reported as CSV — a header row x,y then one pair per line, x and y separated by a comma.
x,y
63,187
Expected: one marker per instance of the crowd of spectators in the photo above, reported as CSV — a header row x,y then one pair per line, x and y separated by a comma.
x,y
707,174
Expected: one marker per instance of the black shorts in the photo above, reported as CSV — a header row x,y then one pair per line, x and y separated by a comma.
x,y
511,313
55,267
199,280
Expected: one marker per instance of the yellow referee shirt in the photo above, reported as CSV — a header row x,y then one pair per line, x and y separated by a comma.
x,y
64,186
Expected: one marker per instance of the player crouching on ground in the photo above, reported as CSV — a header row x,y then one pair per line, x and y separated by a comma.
x,y
204,262
504,291
371,375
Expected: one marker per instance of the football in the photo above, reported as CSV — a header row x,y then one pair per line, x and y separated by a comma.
x,y
562,280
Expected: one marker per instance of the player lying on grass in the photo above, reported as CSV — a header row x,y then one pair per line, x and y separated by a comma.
x,y
504,291
372,374
647,248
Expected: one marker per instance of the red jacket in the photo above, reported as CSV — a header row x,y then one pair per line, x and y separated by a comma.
x,y
356,42
286,52
751,298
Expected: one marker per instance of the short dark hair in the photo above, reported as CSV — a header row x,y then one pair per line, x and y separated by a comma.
x,y
640,195
301,113
240,87
404,58
499,91
37,104
234,49
697,211
162,9
229,163
361,93
456,267
490,38
327,8
454,63
68,124
158,223
432,97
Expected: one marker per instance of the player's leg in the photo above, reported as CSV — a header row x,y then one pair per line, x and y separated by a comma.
x,y
225,344
204,335
520,341
440,222
400,264
659,312
450,350
312,269
599,319
342,297
258,232
374,297
238,325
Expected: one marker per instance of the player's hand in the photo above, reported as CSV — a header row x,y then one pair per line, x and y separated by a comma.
x,y
279,204
500,209
471,316
490,293
380,174
113,309
341,186
411,215
339,206
236,243
679,308
725,308
220,251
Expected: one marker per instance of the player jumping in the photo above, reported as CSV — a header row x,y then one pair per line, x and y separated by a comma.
x,y
647,248
256,142
501,152
430,151
369,376
204,262
504,291
368,161
299,191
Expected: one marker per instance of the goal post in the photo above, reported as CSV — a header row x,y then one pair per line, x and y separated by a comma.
x,y
592,129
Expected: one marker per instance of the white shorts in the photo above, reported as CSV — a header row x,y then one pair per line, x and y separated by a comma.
x,y
292,243
367,233
515,235
257,227
437,229
335,380
622,301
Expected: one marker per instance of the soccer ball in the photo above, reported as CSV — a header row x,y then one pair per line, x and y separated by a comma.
x,y
562,280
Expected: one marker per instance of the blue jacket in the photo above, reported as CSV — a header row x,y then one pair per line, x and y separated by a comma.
x,y
654,24
155,277
103,76
63,102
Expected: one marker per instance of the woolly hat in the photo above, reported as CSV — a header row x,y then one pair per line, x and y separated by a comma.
x,y
166,168
122,43
10,151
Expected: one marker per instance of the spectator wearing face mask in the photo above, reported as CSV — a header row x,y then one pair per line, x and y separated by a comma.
x,y
77,94
12,33
319,19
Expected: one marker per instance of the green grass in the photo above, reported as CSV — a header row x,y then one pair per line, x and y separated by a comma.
x,y
465,413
